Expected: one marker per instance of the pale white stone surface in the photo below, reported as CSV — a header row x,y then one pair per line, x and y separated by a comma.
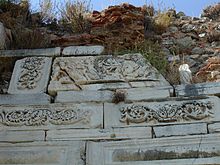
x,y
198,89
101,69
46,52
21,136
141,94
42,153
21,99
214,128
141,152
106,86
30,75
180,130
100,134
162,112
46,117
82,50
185,74
83,96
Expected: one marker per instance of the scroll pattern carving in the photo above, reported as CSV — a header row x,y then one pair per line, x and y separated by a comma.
x,y
30,117
31,73
167,113
83,70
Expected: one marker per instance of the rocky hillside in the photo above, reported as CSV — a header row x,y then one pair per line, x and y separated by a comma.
x,y
124,28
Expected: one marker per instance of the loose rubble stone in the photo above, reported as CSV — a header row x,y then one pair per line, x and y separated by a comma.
x,y
30,75
46,52
180,130
82,50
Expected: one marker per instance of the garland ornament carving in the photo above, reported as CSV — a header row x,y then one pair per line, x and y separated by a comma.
x,y
30,117
167,113
31,73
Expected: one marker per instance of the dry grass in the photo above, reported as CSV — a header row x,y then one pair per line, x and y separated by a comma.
x,y
212,12
76,15
162,21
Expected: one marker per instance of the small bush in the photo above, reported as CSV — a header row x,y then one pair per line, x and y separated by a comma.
x,y
76,15
153,53
162,21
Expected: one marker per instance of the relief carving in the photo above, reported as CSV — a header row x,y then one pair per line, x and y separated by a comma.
x,y
84,70
31,73
167,113
40,117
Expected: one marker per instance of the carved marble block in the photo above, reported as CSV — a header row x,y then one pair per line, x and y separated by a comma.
x,y
202,149
30,75
162,112
51,116
82,50
72,72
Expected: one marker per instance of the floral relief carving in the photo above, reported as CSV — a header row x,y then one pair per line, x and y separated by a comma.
x,y
31,73
83,70
167,113
39,117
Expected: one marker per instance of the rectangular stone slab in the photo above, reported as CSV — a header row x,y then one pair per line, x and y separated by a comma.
x,y
214,128
46,52
69,73
162,112
59,116
198,89
30,75
202,149
21,99
180,130
100,134
82,50
83,96
42,153
21,136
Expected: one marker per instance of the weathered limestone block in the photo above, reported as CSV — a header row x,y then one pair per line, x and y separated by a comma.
x,y
106,86
100,134
30,75
21,136
202,149
46,52
198,89
180,130
82,50
42,153
100,69
51,116
214,128
21,99
83,96
142,94
162,112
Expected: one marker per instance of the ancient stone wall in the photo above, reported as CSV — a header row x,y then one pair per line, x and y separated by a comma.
x,y
75,107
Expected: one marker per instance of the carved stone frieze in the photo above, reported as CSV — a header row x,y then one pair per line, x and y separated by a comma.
x,y
99,69
30,75
194,110
38,117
